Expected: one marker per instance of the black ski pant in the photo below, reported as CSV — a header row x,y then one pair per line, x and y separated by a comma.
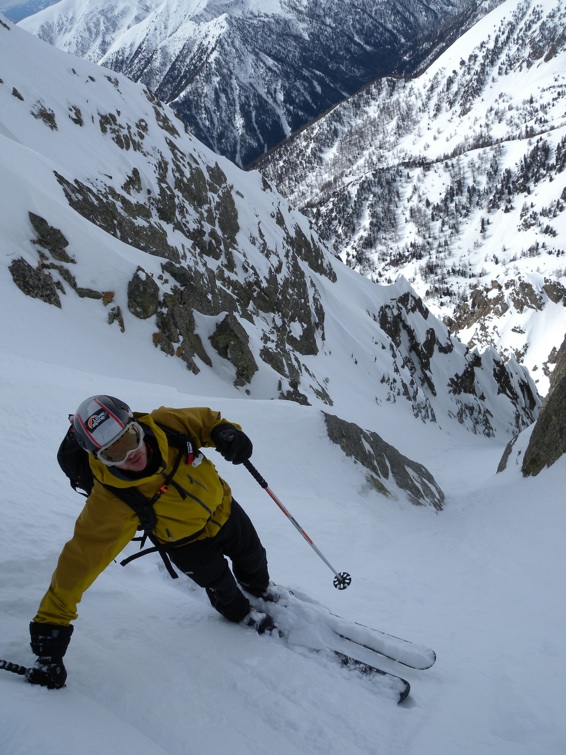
x,y
204,561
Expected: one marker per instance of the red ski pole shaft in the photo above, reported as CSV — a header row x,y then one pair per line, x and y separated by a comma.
x,y
341,579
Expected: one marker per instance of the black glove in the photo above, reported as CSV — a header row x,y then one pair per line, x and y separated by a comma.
x,y
50,643
48,672
233,444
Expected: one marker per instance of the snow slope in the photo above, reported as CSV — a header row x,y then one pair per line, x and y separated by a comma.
x,y
152,669
390,355
455,180
16,10
244,75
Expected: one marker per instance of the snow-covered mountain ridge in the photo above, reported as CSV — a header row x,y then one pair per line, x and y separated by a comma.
x,y
245,75
455,180
114,209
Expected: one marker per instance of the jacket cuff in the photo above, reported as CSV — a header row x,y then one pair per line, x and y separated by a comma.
x,y
50,640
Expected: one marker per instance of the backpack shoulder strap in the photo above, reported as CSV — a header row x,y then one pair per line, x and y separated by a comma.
x,y
138,502
184,441
143,506
145,512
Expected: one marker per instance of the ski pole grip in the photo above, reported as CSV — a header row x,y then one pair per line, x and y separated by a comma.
x,y
255,474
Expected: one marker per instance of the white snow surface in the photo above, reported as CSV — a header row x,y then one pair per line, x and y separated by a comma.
x,y
153,669
169,23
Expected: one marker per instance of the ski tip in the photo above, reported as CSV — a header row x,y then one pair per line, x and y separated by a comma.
x,y
404,694
431,661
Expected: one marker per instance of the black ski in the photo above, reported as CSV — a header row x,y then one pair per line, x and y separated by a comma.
x,y
395,684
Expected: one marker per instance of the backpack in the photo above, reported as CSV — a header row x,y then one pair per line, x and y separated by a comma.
x,y
74,462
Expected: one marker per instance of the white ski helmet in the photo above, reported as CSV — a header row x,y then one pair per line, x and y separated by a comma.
x,y
99,421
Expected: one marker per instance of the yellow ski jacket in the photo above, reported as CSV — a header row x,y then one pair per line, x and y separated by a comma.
x,y
195,507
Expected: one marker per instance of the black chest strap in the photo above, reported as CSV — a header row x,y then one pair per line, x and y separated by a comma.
x,y
143,506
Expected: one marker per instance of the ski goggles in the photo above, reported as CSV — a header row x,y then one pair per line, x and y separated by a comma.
x,y
130,440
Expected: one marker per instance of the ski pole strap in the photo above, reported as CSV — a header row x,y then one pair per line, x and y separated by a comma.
x,y
255,474
15,668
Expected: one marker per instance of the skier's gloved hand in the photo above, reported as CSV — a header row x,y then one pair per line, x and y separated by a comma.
x,y
50,643
48,672
233,444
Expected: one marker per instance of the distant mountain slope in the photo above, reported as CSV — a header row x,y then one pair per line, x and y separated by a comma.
x,y
107,203
16,11
245,74
455,180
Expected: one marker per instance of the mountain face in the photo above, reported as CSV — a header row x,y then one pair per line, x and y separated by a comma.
x,y
455,180
243,74
547,442
16,11
115,211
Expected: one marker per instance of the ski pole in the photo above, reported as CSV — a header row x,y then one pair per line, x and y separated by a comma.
x,y
342,580
15,668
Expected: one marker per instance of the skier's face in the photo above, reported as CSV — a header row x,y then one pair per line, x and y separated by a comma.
x,y
136,461
124,447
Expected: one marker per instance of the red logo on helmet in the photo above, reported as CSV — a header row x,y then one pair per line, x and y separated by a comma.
x,y
96,419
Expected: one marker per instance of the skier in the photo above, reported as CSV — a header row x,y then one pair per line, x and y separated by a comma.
x,y
198,523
